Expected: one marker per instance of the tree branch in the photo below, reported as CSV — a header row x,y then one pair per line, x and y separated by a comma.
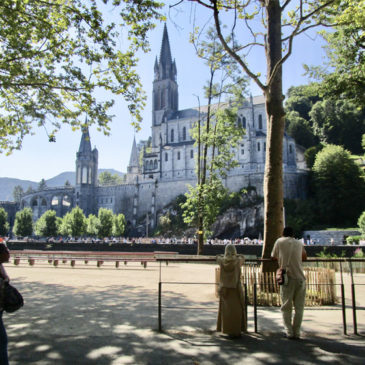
x,y
295,32
39,84
203,4
229,50
285,4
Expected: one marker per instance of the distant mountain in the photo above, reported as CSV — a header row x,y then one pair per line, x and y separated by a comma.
x,y
8,184
112,171
61,179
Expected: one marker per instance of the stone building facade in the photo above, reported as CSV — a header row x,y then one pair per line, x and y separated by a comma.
x,y
168,164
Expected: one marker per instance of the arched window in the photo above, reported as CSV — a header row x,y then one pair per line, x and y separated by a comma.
x,y
290,148
44,202
84,175
155,99
66,201
78,175
258,146
161,100
184,134
191,153
243,122
155,164
151,165
166,157
260,121
172,135
35,202
178,155
239,122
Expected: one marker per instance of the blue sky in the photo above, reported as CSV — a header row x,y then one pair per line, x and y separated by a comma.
x,y
39,158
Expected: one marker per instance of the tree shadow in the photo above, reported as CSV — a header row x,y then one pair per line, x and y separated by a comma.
x,y
118,325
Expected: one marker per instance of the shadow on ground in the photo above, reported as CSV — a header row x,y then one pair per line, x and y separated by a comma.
x,y
118,325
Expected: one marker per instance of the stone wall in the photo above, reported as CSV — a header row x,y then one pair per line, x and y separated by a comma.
x,y
182,249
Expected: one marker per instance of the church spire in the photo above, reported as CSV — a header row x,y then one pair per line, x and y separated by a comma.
x,y
133,161
165,54
166,67
85,144
165,90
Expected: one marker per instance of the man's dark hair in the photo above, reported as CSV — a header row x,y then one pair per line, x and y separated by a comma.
x,y
288,232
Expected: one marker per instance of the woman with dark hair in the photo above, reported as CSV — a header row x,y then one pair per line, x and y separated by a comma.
x,y
4,257
232,319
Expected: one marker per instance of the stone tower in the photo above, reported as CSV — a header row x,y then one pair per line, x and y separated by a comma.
x,y
165,89
86,174
133,167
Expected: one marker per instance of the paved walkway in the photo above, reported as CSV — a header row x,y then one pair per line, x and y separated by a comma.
x,y
86,315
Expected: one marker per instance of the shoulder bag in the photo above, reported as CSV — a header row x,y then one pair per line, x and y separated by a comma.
x,y
281,273
12,300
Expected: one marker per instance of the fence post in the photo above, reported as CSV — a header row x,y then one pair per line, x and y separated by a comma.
x,y
343,309
255,305
246,302
159,307
353,300
343,303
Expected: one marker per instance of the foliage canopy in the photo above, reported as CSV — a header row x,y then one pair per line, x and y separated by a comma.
x,y
56,56
23,225
339,186
4,224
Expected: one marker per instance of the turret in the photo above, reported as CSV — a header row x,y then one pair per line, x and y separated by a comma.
x,y
133,167
86,174
165,89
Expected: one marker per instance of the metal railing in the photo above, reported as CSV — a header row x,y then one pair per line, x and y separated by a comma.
x,y
257,262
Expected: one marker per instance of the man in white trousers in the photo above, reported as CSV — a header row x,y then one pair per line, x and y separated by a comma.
x,y
290,253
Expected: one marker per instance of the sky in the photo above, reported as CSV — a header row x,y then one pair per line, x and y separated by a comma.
x,y
40,159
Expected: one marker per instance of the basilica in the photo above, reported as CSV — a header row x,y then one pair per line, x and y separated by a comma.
x,y
168,160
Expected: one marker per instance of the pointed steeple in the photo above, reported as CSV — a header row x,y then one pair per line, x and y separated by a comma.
x,y
86,174
165,54
85,144
165,88
133,161
166,67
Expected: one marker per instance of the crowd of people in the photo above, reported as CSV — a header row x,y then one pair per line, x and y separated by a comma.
x,y
140,240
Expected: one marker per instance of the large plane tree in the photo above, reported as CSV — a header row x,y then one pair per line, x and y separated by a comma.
x,y
269,27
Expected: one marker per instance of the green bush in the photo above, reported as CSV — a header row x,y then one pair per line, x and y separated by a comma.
x,y
353,240
359,253
361,223
4,224
326,255
23,225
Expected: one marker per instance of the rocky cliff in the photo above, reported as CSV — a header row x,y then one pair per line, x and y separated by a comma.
x,y
240,222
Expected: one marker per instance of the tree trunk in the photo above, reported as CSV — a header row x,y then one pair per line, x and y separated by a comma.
x,y
273,179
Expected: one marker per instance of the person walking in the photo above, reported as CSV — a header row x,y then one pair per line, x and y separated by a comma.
x,y
232,319
4,257
290,254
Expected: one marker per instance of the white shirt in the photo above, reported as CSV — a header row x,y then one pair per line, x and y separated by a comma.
x,y
288,251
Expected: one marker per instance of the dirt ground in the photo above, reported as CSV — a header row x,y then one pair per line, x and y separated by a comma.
x,y
90,315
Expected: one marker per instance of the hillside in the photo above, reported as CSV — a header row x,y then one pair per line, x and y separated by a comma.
x,y
8,184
